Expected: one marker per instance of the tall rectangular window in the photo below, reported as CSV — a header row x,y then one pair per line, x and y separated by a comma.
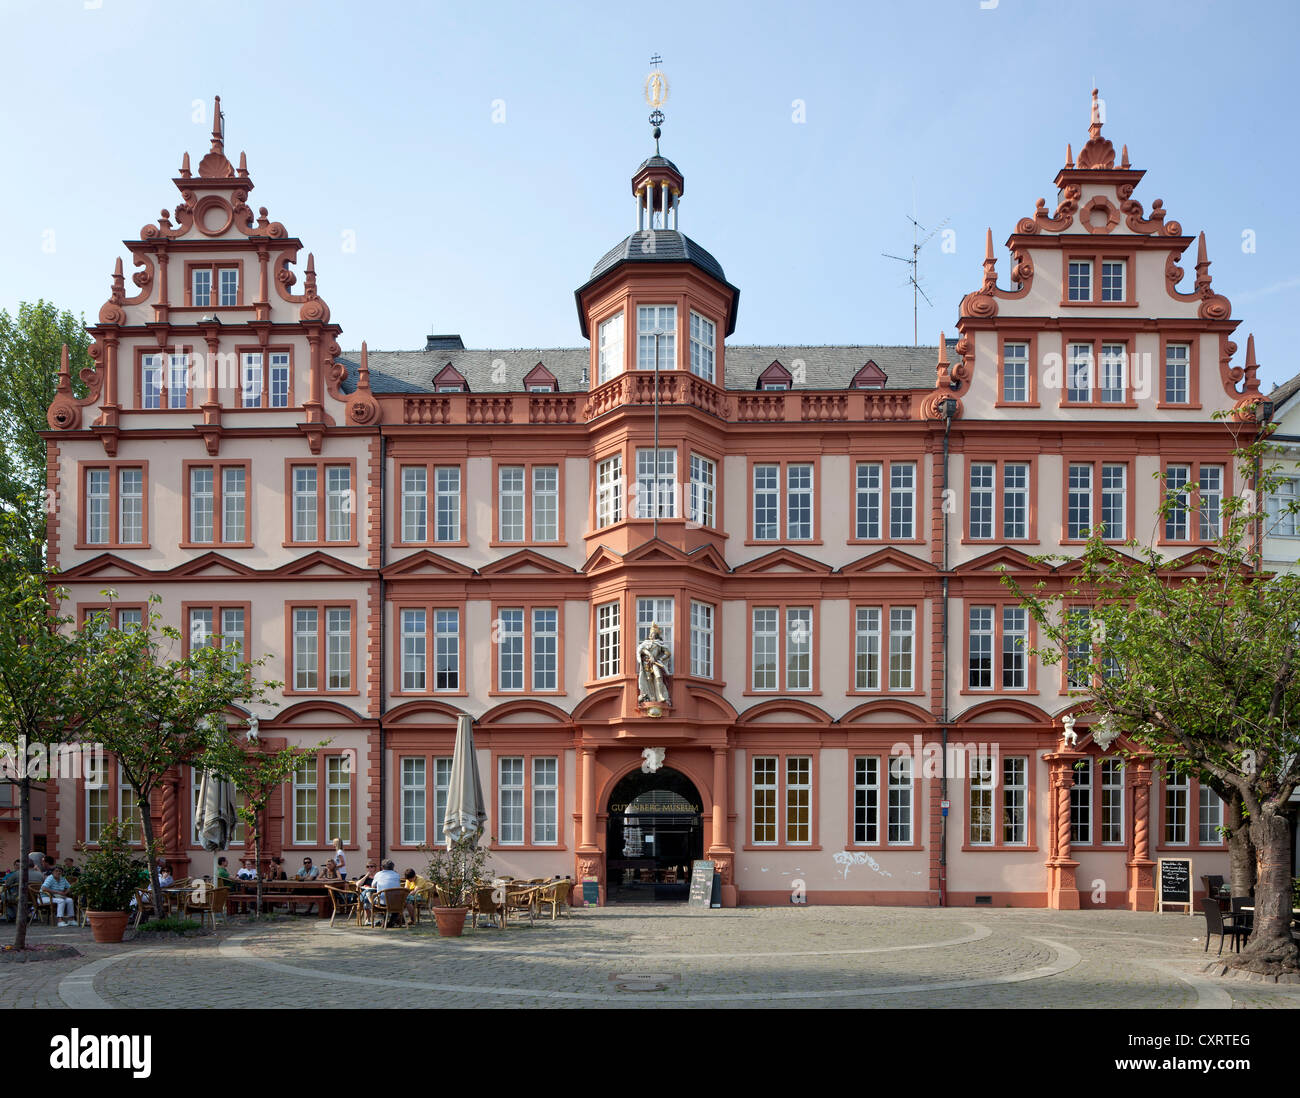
x,y
1078,523
178,380
304,503
546,807
151,381
130,506
414,792
765,648
201,504
510,649
799,503
1015,373
1210,817
1112,280
510,502
546,649
609,348
1177,478
1114,359
702,639
902,632
415,503
1015,648
1114,501
1079,280
305,824
902,500
1283,509
234,503
305,651
1078,650
1210,493
279,379
414,653
767,502
764,807
1112,802
656,483
650,318
446,479
510,790
798,800
866,800
441,791
546,503
1015,803
1177,796
251,384
900,800
607,640
201,287
446,650
702,337
338,641
1079,373
983,476
867,501
338,503
866,648
1081,804
338,799
1015,500
228,284
97,506
981,799
798,652
609,491
703,479
980,632
1178,358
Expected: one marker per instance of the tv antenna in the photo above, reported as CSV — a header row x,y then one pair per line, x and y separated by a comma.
x,y
913,263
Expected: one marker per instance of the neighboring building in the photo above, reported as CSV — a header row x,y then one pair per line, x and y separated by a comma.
x,y
412,535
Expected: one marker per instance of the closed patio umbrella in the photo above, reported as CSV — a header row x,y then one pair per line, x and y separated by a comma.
x,y
466,810
216,817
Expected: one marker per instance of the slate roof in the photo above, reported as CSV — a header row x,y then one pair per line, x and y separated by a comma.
x,y
1284,392
657,246
502,371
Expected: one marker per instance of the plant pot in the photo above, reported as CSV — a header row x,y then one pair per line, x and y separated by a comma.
x,y
450,920
107,926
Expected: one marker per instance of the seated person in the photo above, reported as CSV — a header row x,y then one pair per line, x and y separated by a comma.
x,y
165,877
223,873
246,870
385,879
57,889
308,872
329,871
276,870
415,887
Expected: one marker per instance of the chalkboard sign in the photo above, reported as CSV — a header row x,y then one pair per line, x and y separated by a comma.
x,y
591,891
1174,887
702,885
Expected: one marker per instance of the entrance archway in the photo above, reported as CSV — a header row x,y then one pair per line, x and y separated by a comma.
x,y
654,833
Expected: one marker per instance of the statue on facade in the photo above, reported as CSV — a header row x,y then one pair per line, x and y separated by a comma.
x,y
1071,737
652,668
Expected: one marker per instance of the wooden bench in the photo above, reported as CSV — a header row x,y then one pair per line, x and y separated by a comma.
x,y
244,894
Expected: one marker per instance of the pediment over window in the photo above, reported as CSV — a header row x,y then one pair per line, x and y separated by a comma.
x,y
450,380
870,376
775,374
425,563
784,560
1011,559
538,376
322,564
888,560
525,562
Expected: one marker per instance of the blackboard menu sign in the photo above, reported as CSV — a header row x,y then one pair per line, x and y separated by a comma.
x,y
1174,887
591,891
702,882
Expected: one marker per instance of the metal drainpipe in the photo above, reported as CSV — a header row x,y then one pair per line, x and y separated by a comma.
x,y
943,728
383,626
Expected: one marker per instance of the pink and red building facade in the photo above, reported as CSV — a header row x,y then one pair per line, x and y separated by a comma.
x,y
819,532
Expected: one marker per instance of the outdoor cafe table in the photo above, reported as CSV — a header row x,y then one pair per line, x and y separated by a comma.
x,y
289,892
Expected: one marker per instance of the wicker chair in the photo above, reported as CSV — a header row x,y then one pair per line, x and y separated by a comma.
x,y
213,904
522,900
556,895
389,902
345,901
40,909
143,899
485,906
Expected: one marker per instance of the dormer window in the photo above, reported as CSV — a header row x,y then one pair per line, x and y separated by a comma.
x,y
540,380
649,319
870,376
450,380
776,377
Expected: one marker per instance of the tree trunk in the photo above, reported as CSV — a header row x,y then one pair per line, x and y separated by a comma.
x,y
25,841
1272,949
155,888
1241,851
257,868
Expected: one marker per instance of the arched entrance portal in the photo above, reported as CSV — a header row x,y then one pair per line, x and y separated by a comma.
x,y
654,834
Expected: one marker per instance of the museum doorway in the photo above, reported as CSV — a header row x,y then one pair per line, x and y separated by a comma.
x,y
653,835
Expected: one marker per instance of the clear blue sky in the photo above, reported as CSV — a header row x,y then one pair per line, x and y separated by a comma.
x,y
377,120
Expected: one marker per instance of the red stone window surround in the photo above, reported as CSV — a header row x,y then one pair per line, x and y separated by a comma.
x,y
214,267
321,650
1001,802
1002,529
267,354
1192,341
114,782
85,609
218,635
882,841
323,510
885,663
1130,495
790,504
1097,256
529,642
783,641
432,821
121,508
324,838
870,507
788,811
167,397
1189,815
408,515
530,791
1096,342
430,636
1092,781
1028,662
628,494
1196,474
530,515
219,532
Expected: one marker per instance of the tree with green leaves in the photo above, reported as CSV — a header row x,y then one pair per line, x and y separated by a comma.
x,y
257,774
31,345
1196,661
152,709
41,657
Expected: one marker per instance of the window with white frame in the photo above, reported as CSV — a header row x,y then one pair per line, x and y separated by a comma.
x,y
1015,648
656,483
798,800
1178,357
1081,804
983,477
510,794
610,348
1112,802
1114,360
799,502
1015,500
306,828
338,799
866,800
1078,520
510,502
413,793
1177,802
1202,496
608,661
514,504
980,632
1015,373
702,639
764,790
415,503
902,501
609,491
766,647
1079,373
656,611
151,381
1283,508
414,652
1079,280
798,510
1114,500
767,502
775,648
650,318
798,651
703,480
338,502
251,379
307,645
900,800
1210,493
305,507
446,503
981,799
902,647
1078,648
202,503
306,657
702,337
510,648
338,648
866,648
1210,812
867,500
1015,800
201,287
1112,280
279,393
446,650
218,504
546,807
546,648
227,287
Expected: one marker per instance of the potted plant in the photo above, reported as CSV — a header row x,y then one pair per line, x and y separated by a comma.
x,y
107,884
455,873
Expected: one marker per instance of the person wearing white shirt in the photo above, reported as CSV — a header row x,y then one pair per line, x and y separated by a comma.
x,y
340,862
385,879
56,890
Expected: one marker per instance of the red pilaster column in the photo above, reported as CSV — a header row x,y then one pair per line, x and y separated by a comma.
x,y
590,860
1141,878
720,853
1062,887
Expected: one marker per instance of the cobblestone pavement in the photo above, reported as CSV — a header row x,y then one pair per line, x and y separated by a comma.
x,y
642,956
